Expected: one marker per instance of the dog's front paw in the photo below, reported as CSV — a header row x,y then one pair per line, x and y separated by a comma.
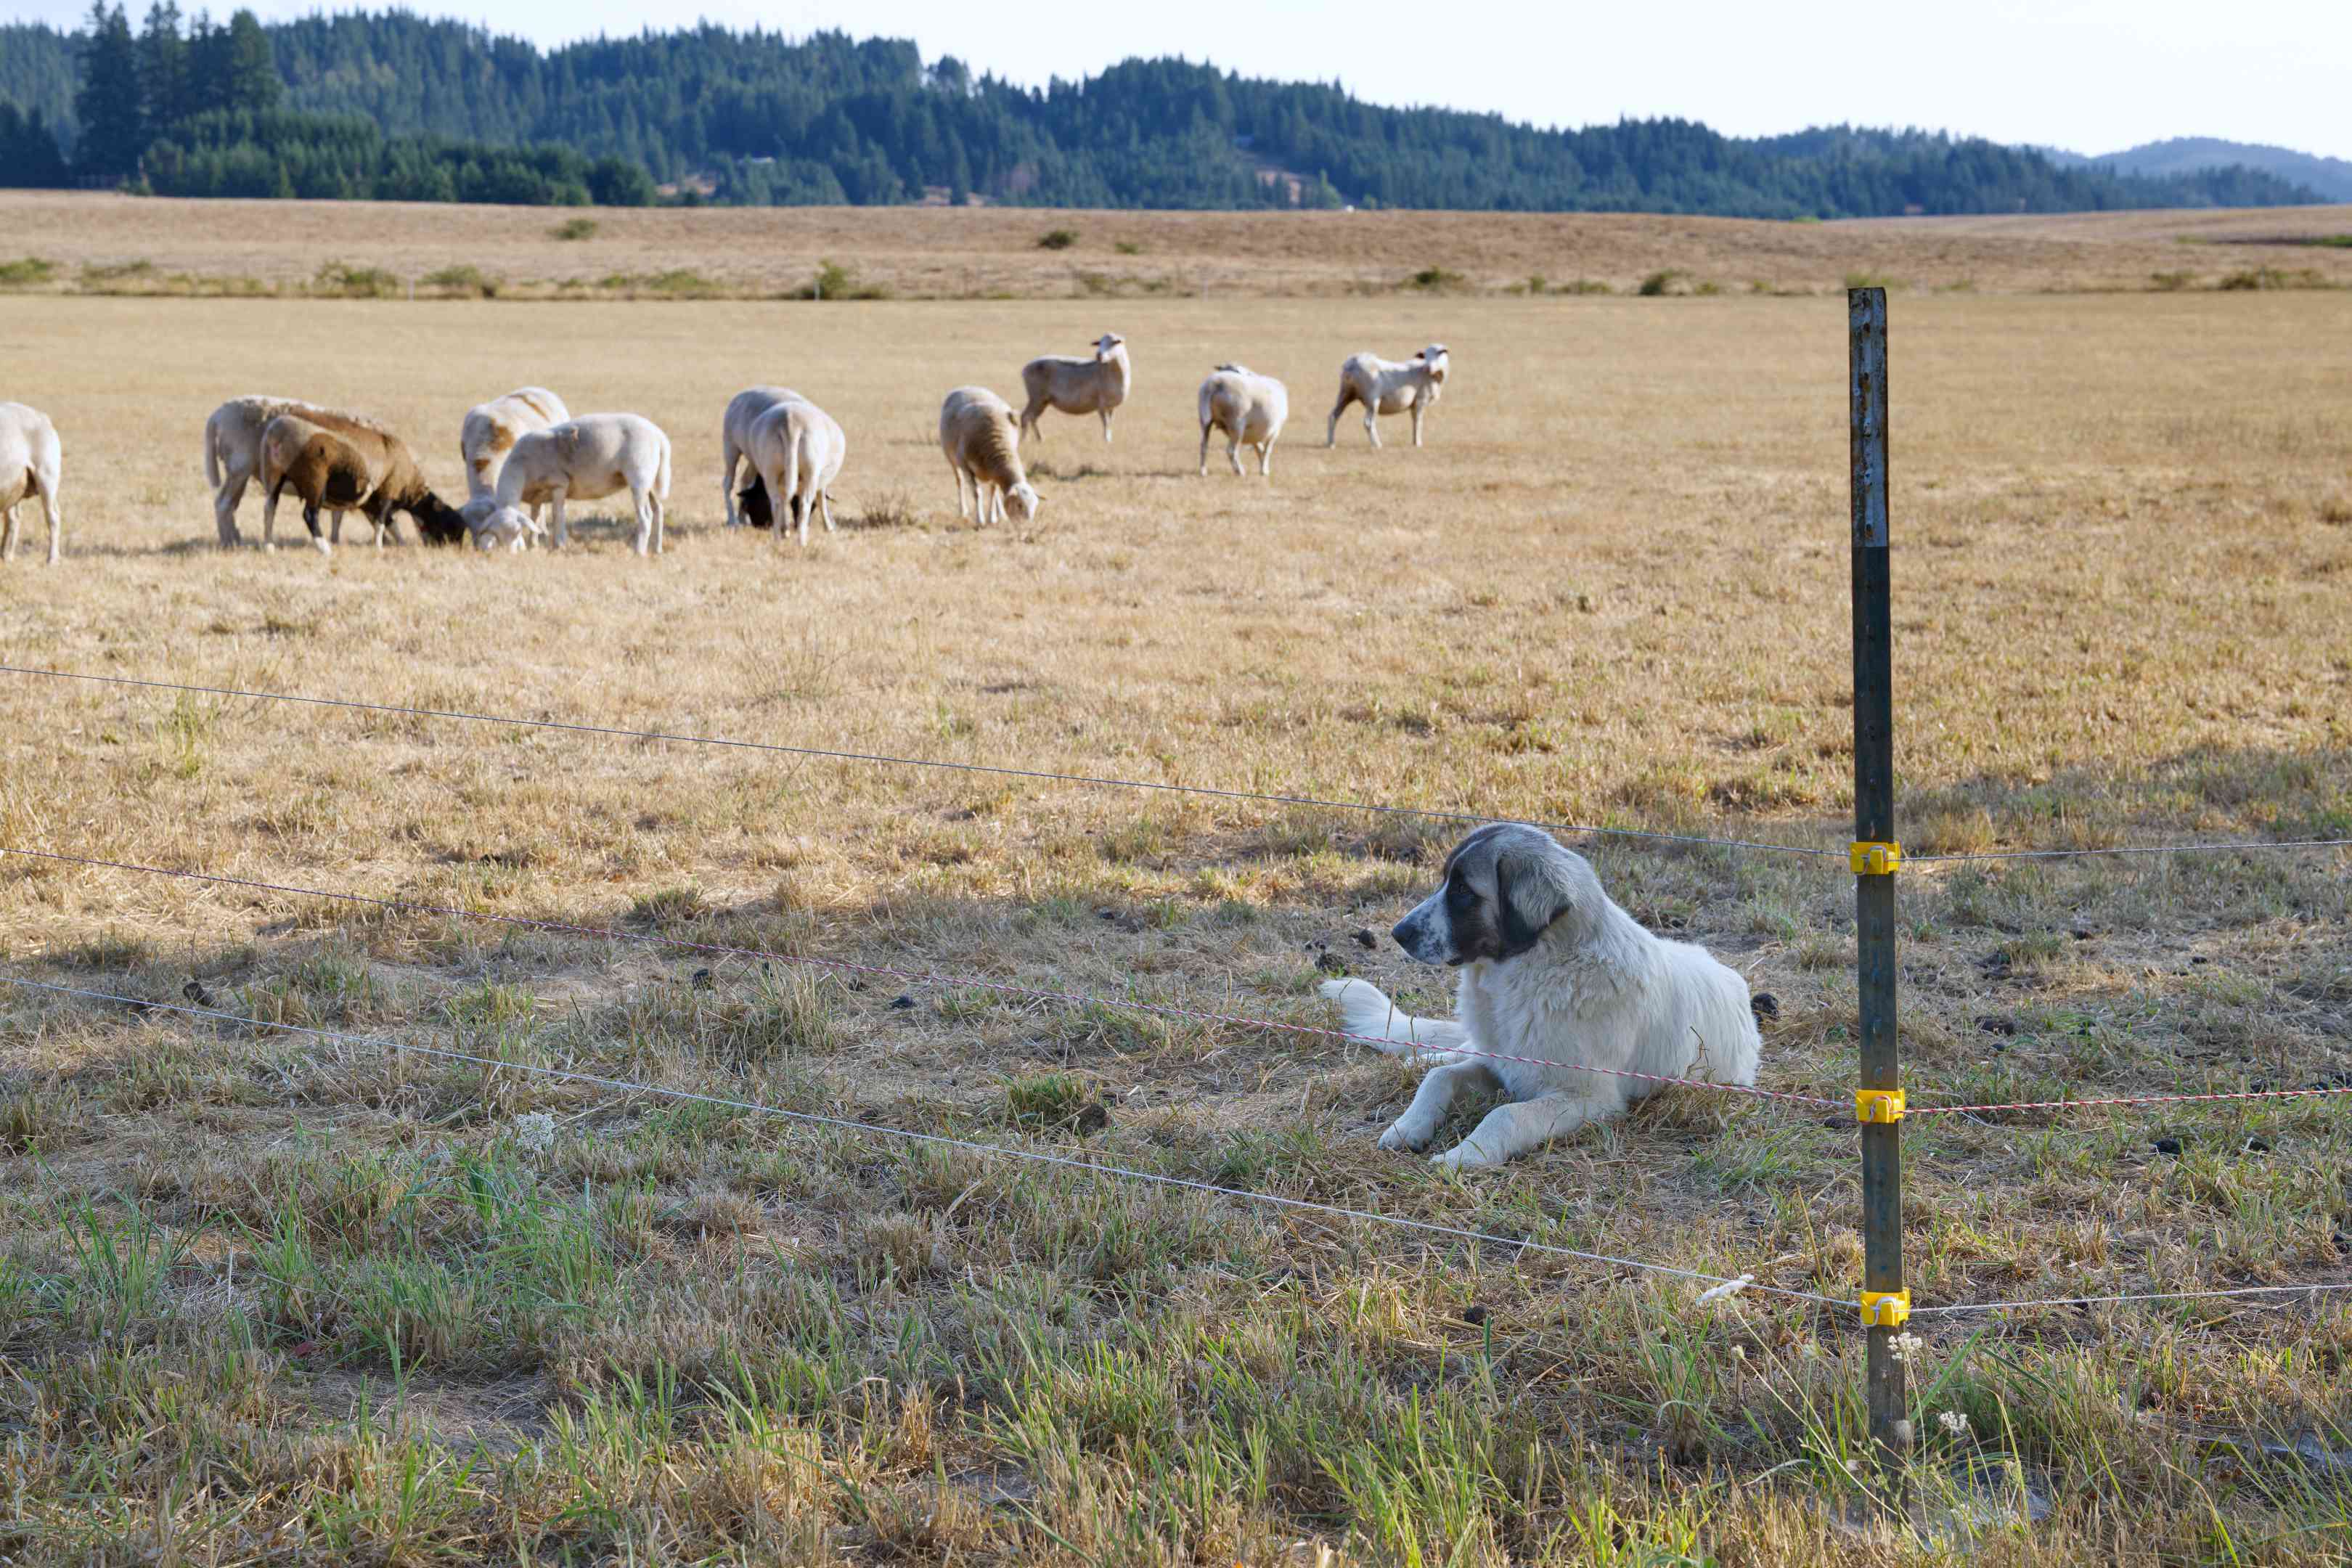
x,y
1399,1136
1464,1156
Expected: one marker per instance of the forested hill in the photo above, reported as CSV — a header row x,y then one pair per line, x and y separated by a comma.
x,y
396,105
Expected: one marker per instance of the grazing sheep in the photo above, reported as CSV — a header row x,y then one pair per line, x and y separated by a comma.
x,y
494,525
492,428
981,437
743,411
345,468
1384,386
1248,407
233,448
587,458
796,448
1096,385
30,458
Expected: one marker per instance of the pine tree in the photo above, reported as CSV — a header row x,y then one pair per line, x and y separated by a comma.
x,y
164,68
250,79
112,127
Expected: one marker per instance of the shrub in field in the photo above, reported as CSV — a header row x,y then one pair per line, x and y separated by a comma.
x,y
1435,279
1666,280
2264,278
1057,240
350,282
835,282
574,228
26,272
467,280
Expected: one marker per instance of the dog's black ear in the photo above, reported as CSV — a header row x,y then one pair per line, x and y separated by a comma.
x,y
1534,890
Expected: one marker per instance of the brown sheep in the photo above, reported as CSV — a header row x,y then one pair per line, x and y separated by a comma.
x,y
342,464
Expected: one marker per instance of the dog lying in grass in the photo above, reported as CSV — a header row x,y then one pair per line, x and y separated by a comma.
x,y
1553,972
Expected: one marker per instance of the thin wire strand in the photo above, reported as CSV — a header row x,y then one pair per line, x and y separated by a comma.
x,y
2139,1099
936,1139
2154,1296
2129,849
920,977
827,754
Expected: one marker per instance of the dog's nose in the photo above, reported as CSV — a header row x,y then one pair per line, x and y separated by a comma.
x,y
1402,933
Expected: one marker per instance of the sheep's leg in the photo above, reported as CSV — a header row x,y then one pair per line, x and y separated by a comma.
x,y
269,518
1204,449
1439,1085
824,503
1266,459
1417,412
661,524
225,503
311,520
726,481
1332,431
643,541
1233,453
962,509
55,519
562,534
334,522
1106,419
1372,421
9,532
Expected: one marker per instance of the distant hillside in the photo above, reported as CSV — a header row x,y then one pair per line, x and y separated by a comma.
x,y
2331,177
396,106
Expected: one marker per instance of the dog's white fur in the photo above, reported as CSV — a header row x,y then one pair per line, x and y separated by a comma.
x,y
1595,988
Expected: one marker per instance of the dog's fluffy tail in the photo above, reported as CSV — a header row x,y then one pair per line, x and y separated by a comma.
x,y
1366,1012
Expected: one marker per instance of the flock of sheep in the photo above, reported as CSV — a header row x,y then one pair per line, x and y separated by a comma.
x,y
525,454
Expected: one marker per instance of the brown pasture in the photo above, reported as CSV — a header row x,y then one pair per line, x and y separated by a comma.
x,y
1611,590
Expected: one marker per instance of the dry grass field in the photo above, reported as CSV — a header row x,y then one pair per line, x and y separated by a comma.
x,y
268,1297
61,242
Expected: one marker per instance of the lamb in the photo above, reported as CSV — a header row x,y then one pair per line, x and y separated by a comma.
x,y
796,450
342,467
1096,385
1248,407
492,428
233,448
587,458
1384,386
30,460
743,411
981,437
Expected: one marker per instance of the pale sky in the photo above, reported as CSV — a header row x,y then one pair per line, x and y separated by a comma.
x,y
2092,75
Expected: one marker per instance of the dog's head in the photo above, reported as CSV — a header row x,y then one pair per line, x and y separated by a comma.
x,y
1505,885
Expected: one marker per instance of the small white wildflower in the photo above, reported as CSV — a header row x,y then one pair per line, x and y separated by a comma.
x,y
1812,1350
534,1132
1954,1422
1739,1352
1906,1345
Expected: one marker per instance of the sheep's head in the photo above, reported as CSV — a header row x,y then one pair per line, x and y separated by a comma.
x,y
1434,357
1235,370
752,502
1107,344
437,520
1022,501
493,525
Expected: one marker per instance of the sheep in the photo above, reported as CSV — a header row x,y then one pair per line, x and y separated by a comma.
x,y
233,449
1096,385
30,460
796,450
492,428
1248,407
743,411
1385,387
342,467
587,458
981,437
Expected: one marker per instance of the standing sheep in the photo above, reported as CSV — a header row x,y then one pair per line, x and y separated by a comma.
x,y
233,448
1096,385
492,428
1384,386
796,450
346,468
981,437
30,460
1249,408
587,458
743,411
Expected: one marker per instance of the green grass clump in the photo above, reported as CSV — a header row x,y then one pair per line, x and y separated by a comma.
x,y
574,228
26,272
1666,280
343,280
1057,240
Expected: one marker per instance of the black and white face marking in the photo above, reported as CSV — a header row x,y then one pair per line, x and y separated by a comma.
x,y
1500,894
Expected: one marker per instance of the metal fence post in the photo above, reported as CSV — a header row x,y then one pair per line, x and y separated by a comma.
x,y
1878,1103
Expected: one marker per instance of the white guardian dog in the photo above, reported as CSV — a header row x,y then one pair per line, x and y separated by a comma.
x,y
1555,973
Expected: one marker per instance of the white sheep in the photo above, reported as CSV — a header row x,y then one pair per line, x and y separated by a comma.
x,y
1384,386
30,462
233,448
1249,408
796,448
1096,385
743,411
587,458
490,431
981,437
